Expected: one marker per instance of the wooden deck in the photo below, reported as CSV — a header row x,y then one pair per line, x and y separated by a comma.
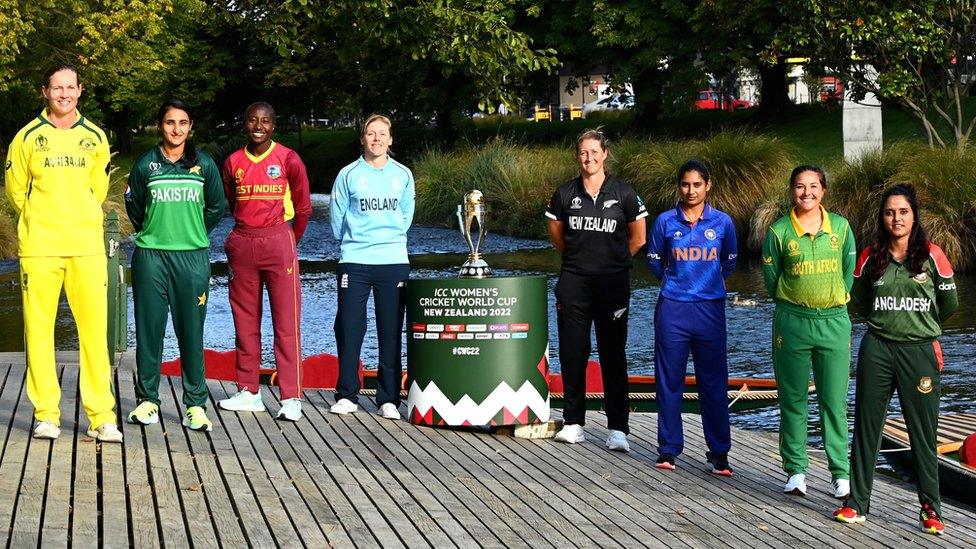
x,y
361,480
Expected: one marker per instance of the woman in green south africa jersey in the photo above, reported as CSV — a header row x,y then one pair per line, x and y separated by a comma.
x,y
808,267
174,199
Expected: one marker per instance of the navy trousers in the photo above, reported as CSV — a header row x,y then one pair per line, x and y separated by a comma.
x,y
387,282
698,327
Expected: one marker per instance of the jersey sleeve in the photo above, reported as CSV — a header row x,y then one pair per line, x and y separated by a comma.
x,y
408,201
230,187
863,283
554,210
849,259
300,197
16,174
656,251
772,262
339,204
946,297
213,195
135,197
634,206
98,177
730,248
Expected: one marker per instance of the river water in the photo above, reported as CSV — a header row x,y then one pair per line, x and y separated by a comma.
x,y
439,252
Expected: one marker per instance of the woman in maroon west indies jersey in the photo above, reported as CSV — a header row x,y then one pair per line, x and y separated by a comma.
x,y
266,186
597,222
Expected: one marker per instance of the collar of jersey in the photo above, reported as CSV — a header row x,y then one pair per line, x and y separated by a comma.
x,y
263,155
607,181
824,226
706,213
47,121
363,160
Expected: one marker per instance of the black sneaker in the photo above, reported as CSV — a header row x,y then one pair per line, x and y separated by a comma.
x,y
720,465
665,461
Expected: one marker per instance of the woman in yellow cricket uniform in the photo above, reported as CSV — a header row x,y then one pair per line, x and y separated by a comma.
x,y
56,180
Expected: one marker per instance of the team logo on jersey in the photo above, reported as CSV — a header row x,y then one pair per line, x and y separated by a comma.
x,y
678,234
779,342
274,171
40,144
154,167
397,185
576,204
609,203
239,175
767,260
23,283
921,277
710,234
195,169
925,385
128,192
834,242
202,299
87,144
793,247
7,167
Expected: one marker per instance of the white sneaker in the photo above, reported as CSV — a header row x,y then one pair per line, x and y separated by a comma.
x,y
344,406
842,488
797,485
617,441
106,432
243,401
47,429
570,434
291,409
389,411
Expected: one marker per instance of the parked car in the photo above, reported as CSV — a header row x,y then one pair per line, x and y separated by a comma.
x,y
710,100
612,102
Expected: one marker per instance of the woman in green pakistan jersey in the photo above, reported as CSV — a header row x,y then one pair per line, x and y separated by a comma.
x,y
904,288
174,199
808,266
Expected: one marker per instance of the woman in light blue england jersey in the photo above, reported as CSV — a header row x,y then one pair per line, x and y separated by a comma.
x,y
371,209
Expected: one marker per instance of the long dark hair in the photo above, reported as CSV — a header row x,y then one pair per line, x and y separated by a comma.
x,y
694,166
189,151
918,242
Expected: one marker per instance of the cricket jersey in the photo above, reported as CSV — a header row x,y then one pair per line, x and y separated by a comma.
x,y
901,306
370,212
692,261
174,207
809,270
596,229
56,180
268,189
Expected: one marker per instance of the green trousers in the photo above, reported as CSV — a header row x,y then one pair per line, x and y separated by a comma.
x,y
822,338
912,369
164,281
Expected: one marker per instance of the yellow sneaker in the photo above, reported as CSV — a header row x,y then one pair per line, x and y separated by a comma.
x,y
146,413
196,419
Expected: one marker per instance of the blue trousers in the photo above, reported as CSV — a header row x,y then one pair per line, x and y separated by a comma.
x,y
698,327
387,282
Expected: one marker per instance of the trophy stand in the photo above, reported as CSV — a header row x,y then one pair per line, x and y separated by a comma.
x,y
473,209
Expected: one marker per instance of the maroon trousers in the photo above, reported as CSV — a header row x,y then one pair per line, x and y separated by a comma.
x,y
257,258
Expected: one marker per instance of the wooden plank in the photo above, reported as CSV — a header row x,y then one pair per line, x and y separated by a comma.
x,y
16,419
141,501
57,506
115,523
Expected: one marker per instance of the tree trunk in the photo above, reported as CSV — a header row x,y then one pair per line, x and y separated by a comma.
x,y
447,111
647,99
120,125
774,99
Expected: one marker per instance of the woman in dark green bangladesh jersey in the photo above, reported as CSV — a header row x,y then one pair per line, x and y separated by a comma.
x,y
175,198
904,288
808,266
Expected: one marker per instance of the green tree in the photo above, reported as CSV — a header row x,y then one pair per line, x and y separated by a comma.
x,y
915,53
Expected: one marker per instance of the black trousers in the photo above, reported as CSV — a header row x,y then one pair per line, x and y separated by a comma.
x,y
582,301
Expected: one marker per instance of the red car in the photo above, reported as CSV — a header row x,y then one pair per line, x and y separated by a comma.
x,y
710,100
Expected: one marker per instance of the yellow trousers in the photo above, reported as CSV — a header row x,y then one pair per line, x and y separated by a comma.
x,y
84,279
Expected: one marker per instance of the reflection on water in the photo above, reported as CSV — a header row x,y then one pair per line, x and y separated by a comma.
x,y
437,252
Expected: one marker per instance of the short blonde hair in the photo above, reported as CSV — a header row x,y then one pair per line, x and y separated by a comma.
x,y
373,118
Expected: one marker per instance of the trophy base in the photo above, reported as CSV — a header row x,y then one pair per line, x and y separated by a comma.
x,y
475,269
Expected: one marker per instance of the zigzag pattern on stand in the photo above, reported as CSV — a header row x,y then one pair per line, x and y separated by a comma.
x,y
468,412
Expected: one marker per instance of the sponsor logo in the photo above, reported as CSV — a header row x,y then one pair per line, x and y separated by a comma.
x,y
609,203
435,327
834,242
576,204
128,192
793,247
289,270
520,335
344,281
921,278
654,256
402,284
418,335
476,327
154,167
503,335
465,336
273,171
520,327
767,260
879,282
87,144
482,336
454,328
7,166
498,328
361,183
23,283
448,336
925,385
431,336
779,342
946,287
40,144
418,327
710,234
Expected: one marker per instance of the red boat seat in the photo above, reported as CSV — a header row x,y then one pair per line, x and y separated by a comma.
x,y
594,379
322,371
220,365
967,452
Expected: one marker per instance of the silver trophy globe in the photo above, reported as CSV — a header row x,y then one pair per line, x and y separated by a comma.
x,y
473,209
